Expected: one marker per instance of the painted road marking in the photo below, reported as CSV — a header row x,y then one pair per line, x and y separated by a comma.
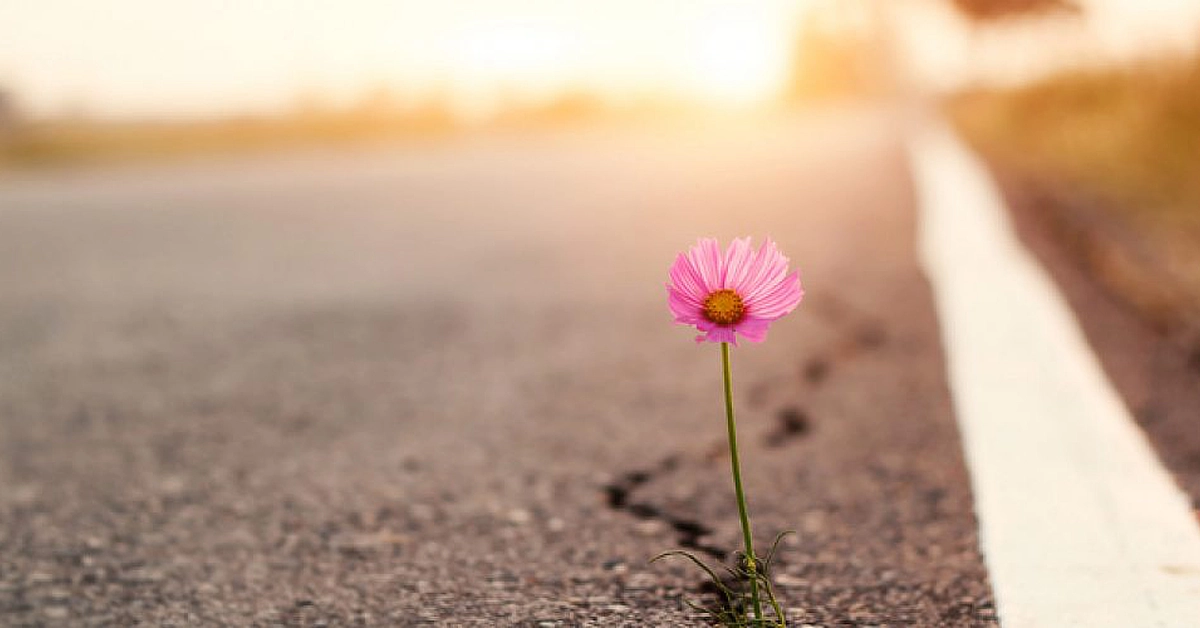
x,y
1080,525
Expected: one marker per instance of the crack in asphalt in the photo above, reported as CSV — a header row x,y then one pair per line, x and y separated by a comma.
x,y
688,532
792,423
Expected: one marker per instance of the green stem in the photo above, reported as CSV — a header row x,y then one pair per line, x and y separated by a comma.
x,y
737,483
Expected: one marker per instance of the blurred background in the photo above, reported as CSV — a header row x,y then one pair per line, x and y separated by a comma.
x,y
87,82
1097,95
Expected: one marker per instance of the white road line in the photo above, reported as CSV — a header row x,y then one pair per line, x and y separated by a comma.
x,y
1079,523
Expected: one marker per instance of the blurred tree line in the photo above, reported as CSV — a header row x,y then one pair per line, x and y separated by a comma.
x,y
8,115
844,48
988,10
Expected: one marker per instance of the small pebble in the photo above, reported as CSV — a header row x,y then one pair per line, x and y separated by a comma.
x,y
639,581
519,516
789,581
650,527
39,577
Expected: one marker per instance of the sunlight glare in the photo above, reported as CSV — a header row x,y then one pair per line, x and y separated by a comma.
x,y
505,51
476,54
738,62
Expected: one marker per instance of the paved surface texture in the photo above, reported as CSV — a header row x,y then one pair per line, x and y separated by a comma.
x,y
1081,525
442,387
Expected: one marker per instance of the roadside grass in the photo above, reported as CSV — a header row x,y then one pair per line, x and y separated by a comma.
x,y
66,142
1125,144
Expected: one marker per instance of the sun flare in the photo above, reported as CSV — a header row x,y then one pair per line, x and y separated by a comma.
x,y
737,61
476,54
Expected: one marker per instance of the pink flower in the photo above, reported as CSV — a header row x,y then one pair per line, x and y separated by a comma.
x,y
742,291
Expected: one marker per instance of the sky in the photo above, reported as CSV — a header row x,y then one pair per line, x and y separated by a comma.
x,y
188,58
197,57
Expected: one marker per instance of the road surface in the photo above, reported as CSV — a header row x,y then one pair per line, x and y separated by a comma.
x,y
440,386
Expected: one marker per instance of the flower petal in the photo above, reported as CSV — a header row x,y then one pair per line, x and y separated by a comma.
x,y
683,307
753,328
718,334
685,278
768,267
738,259
774,301
706,259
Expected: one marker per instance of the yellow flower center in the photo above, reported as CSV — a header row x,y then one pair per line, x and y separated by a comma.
x,y
724,307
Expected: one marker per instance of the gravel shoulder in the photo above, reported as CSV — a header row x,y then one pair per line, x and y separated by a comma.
x,y
1153,361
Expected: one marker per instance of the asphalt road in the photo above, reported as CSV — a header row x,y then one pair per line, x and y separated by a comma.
x,y
441,385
